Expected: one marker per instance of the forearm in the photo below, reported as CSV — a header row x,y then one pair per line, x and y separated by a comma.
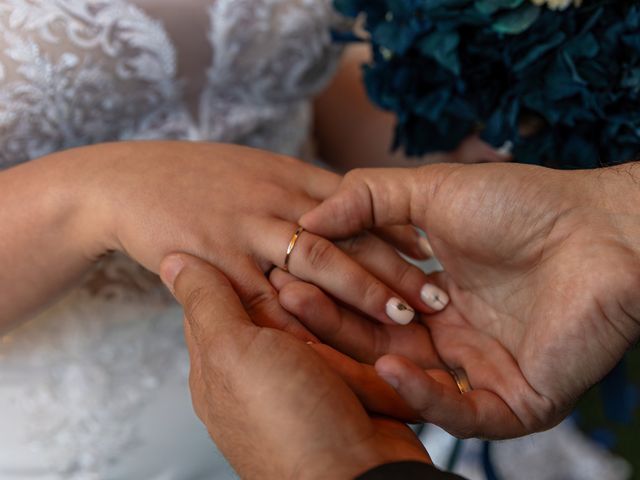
x,y
350,131
48,238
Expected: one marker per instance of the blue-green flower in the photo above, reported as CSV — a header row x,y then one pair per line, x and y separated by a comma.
x,y
448,68
558,4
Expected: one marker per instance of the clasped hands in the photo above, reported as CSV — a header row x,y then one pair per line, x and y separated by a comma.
x,y
542,269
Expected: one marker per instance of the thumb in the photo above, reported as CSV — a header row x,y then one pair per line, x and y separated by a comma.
x,y
370,198
210,303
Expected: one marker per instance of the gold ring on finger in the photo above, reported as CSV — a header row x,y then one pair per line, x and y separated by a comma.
x,y
292,244
462,380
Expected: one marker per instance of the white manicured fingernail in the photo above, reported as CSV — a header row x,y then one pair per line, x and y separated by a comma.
x,y
399,311
434,297
425,247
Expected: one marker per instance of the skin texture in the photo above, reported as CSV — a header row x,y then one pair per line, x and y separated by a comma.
x,y
235,207
543,270
263,391
62,212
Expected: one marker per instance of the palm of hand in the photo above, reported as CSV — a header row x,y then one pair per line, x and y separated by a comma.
x,y
245,378
542,282
537,313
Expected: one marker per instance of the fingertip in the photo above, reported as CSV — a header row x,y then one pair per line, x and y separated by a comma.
x,y
279,278
175,266
434,297
170,267
399,311
318,220
391,366
299,298
289,297
308,220
396,370
339,216
411,381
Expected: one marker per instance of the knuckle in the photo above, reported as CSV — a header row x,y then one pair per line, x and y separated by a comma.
x,y
361,201
261,300
265,311
355,175
463,427
374,291
195,304
406,273
357,244
381,342
320,253
542,414
464,432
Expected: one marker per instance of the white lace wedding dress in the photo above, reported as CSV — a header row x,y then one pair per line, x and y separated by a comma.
x,y
96,387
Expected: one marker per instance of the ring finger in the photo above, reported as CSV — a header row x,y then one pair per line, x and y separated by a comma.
x,y
319,261
383,261
349,332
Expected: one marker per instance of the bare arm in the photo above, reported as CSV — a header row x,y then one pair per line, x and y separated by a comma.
x,y
353,133
149,199
542,268
47,237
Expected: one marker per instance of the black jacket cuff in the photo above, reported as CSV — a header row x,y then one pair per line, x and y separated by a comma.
x,y
407,471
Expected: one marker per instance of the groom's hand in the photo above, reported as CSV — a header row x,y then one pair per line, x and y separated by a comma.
x,y
543,271
269,401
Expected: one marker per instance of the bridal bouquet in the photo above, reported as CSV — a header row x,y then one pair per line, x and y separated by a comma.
x,y
555,82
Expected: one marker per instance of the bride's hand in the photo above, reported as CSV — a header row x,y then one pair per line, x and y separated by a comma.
x,y
543,270
237,208
351,343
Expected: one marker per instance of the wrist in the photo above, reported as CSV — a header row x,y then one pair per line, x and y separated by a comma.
x,y
77,177
617,194
617,203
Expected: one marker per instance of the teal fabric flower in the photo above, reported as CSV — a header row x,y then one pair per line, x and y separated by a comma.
x,y
448,68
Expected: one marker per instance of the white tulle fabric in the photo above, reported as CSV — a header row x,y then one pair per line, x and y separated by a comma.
x,y
96,387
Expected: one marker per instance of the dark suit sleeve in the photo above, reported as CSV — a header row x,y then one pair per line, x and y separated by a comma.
x,y
407,471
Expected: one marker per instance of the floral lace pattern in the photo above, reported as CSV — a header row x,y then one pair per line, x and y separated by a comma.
x,y
81,372
76,72
76,380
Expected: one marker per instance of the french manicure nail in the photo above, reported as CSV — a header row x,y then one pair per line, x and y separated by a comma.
x,y
399,311
434,297
390,379
425,247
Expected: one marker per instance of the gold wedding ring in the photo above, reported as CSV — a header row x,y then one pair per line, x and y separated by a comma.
x,y
292,244
461,379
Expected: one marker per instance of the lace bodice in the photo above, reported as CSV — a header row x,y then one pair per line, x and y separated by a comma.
x,y
74,72
96,387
